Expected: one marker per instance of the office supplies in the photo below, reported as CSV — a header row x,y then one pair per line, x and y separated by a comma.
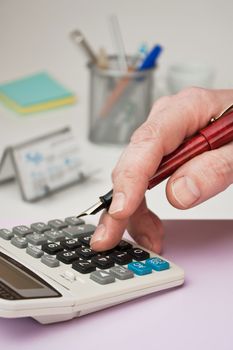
x,y
151,58
102,60
118,41
49,272
79,39
218,133
44,165
34,93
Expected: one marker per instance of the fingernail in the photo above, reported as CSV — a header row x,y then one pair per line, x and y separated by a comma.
x,y
118,203
144,241
99,235
185,191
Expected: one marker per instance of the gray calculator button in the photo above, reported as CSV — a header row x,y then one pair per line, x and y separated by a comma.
x,y
34,251
74,221
49,260
121,272
54,236
22,230
40,227
36,238
57,224
102,277
19,242
6,234
75,231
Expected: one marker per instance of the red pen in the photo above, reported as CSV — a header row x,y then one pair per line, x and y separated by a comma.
x,y
216,134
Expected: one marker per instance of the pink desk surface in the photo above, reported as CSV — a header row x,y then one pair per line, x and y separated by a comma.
x,y
198,315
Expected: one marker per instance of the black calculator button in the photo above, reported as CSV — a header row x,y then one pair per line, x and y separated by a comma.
x,y
52,248
83,266
121,258
70,244
85,239
85,252
138,254
102,261
123,245
67,257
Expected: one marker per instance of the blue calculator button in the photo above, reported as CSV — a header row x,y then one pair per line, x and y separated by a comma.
x,y
157,264
139,268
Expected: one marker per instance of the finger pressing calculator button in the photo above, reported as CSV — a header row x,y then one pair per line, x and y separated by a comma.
x,y
157,264
70,244
57,224
138,254
123,245
36,238
21,230
83,266
67,257
50,261
121,258
74,221
85,252
102,262
85,239
102,277
40,227
121,272
54,236
34,251
52,248
19,242
6,234
139,268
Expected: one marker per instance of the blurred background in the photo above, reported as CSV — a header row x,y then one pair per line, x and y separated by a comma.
x,y
35,37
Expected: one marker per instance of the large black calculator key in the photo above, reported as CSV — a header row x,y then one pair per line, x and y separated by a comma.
x,y
85,239
121,258
67,257
123,245
85,252
139,254
70,244
83,266
102,261
52,248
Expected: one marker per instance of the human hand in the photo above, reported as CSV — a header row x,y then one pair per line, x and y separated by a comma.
x,y
171,120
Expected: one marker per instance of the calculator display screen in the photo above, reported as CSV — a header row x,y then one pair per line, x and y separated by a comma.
x,y
22,281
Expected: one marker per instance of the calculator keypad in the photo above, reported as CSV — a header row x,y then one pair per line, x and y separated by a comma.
x,y
68,242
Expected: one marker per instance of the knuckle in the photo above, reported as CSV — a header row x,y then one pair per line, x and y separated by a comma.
x,y
147,132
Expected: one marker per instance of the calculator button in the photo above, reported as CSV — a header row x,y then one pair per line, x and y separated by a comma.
x,y
50,261
67,257
54,236
83,266
123,245
52,248
21,230
36,238
6,234
138,254
121,272
70,244
19,242
40,227
157,264
102,277
102,262
85,239
121,258
75,231
57,224
74,221
34,251
139,268
85,252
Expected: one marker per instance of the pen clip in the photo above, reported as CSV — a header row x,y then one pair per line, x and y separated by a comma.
x,y
227,109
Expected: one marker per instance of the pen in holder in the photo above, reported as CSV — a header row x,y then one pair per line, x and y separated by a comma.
x,y
119,101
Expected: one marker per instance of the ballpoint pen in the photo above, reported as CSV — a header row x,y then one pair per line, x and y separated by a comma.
x,y
216,134
79,39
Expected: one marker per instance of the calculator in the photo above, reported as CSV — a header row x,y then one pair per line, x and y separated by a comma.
x,y
49,272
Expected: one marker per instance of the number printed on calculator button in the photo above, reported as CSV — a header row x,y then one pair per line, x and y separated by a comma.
x,y
70,244
40,227
85,239
85,252
102,262
83,266
138,254
52,248
121,258
67,257
21,230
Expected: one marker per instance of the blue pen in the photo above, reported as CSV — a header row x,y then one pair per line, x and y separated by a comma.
x,y
151,58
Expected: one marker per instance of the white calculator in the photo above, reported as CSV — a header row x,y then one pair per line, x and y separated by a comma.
x,y
49,272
